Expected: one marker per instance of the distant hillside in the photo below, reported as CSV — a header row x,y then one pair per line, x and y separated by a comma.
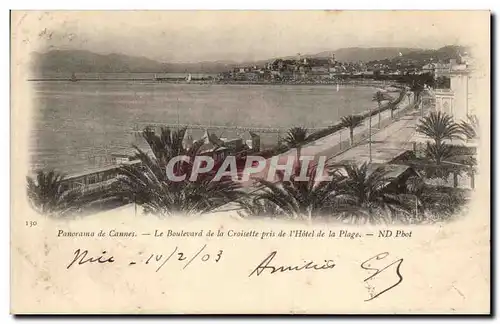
x,y
355,54
84,61
79,61
443,54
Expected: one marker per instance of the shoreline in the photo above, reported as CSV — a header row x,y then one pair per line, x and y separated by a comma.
x,y
370,83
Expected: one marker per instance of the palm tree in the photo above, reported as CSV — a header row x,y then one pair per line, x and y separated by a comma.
x,y
417,88
438,126
438,152
254,206
48,195
470,127
379,97
169,143
45,192
433,202
351,122
149,186
392,106
295,138
365,195
296,197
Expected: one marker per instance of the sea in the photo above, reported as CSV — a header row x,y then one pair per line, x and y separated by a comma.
x,y
78,125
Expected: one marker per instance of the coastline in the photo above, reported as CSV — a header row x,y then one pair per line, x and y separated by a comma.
x,y
366,83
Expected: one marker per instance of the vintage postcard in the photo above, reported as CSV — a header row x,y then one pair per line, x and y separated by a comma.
x,y
250,162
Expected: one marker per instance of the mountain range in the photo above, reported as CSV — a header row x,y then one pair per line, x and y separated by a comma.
x,y
81,61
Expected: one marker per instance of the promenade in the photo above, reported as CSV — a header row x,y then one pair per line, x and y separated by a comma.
x,y
388,141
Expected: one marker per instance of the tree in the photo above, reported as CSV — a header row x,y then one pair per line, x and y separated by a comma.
x,y
295,138
438,152
169,143
418,84
351,122
365,195
438,127
393,104
433,203
48,195
254,206
149,187
379,97
417,88
298,198
470,127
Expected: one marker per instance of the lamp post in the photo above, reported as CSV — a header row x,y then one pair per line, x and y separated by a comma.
x,y
340,139
370,139
178,117
416,207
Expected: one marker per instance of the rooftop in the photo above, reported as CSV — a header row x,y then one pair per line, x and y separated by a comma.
x,y
98,170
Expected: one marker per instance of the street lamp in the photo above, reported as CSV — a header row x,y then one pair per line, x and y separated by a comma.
x,y
178,117
370,139
340,139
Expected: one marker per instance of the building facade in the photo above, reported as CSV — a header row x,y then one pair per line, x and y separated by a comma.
x,y
458,100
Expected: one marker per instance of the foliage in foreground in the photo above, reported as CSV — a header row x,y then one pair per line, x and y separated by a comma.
x,y
48,196
357,194
149,186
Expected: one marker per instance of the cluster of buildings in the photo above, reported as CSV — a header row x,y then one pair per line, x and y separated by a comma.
x,y
305,68
294,69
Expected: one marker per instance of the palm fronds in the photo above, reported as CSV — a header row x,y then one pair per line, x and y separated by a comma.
x,y
296,136
438,152
48,195
365,196
298,197
149,185
439,126
379,97
433,203
470,127
351,122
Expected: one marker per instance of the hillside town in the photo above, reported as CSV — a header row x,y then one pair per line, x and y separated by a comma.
x,y
308,69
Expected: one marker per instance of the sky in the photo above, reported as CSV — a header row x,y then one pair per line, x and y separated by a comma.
x,y
193,36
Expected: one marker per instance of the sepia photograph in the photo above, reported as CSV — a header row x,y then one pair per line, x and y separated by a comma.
x,y
300,127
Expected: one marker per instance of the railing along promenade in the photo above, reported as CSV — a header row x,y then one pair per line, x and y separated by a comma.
x,y
137,128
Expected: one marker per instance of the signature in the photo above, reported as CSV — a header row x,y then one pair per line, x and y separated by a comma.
x,y
378,265
308,265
